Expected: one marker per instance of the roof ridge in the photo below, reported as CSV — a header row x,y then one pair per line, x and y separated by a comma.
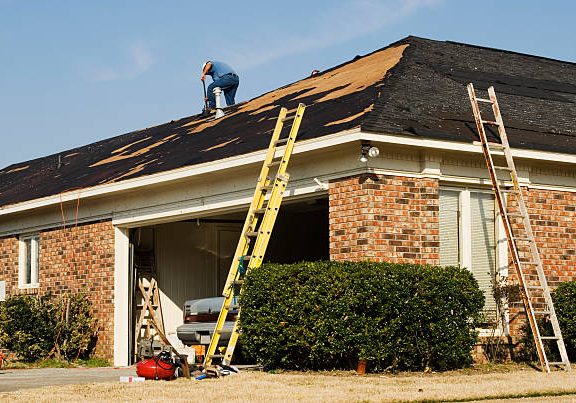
x,y
510,52
470,45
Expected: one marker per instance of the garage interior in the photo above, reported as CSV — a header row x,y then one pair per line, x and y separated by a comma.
x,y
191,258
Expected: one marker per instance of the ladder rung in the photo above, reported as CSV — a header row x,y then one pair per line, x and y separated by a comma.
x,y
245,257
221,331
289,118
502,168
541,312
267,187
489,144
216,355
557,363
282,141
535,287
488,101
524,239
549,337
508,190
274,163
251,233
260,210
490,122
238,282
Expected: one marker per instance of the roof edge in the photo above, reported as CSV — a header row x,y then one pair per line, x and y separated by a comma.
x,y
258,156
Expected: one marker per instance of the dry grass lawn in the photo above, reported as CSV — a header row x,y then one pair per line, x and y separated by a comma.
x,y
497,383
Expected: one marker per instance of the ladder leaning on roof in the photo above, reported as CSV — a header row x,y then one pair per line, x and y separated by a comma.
x,y
257,229
533,287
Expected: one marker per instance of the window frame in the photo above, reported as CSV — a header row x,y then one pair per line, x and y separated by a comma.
x,y
34,241
465,241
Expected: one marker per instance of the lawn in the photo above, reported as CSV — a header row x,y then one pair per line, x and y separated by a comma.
x,y
480,383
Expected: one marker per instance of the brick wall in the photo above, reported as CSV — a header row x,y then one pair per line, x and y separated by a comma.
x,y
9,262
553,219
71,260
384,218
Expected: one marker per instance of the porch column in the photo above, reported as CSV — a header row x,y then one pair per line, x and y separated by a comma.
x,y
121,292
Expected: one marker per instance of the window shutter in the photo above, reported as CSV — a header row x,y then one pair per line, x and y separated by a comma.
x,y
449,228
483,244
34,262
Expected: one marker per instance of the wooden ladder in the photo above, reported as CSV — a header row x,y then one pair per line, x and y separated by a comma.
x,y
257,229
533,288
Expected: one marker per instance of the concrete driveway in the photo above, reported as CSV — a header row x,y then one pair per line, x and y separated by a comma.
x,y
16,379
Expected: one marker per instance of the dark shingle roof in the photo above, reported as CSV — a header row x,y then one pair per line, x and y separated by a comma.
x,y
425,95
414,87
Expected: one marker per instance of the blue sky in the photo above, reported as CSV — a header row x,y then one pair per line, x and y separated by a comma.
x,y
75,72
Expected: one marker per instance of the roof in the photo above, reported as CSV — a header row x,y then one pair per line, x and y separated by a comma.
x,y
413,87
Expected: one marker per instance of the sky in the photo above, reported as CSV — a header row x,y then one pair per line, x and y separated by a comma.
x,y
76,72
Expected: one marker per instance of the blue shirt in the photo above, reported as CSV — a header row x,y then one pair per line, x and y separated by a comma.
x,y
219,69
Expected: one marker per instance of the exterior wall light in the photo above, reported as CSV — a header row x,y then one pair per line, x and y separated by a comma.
x,y
368,150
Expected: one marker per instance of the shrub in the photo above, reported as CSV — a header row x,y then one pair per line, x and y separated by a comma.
x,y
75,331
565,305
41,327
324,315
564,298
27,326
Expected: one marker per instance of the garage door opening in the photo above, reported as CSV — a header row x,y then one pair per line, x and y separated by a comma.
x,y
190,259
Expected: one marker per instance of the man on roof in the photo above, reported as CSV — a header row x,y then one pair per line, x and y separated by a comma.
x,y
223,76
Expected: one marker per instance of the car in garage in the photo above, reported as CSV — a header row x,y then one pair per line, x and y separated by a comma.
x,y
200,316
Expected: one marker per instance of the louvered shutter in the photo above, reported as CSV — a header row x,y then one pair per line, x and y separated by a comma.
x,y
449,228
483,245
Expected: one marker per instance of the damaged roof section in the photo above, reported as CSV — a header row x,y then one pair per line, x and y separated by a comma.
x,y
415,87
337,100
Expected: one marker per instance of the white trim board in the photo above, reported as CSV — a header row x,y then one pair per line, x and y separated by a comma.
x,y
121,295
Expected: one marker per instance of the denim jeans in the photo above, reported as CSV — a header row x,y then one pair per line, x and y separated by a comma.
x,y
227,83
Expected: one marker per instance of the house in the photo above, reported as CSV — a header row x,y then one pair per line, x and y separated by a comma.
x,y
176,194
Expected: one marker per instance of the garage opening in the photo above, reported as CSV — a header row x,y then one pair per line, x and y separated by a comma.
x,y
190,259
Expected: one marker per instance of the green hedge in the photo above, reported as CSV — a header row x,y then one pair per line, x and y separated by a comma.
x,y
26,326
565,305
36,328
564,298
325,315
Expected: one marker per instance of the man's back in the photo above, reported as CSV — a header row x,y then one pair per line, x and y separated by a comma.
x,y
220,69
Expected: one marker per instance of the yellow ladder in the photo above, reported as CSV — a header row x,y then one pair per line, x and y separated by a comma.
x,y
533,287
257,229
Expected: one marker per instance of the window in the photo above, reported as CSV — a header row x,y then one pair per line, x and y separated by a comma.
x,y
28,261
468,238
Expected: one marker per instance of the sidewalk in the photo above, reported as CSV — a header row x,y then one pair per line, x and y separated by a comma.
x,y
16,379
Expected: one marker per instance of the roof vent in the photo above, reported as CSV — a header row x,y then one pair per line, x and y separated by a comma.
x,y
218,99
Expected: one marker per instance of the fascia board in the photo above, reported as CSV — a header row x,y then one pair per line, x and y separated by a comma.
x,y
464,147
